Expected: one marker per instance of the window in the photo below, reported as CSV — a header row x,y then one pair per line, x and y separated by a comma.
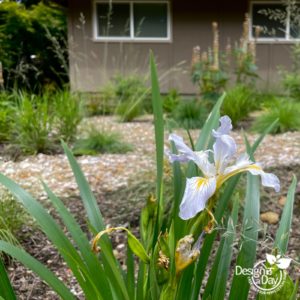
x,y
132,20
277,21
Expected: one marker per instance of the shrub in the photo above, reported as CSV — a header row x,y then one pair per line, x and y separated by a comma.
x,y
238,103
285,111
291,78
44,28
38,122
67,115
132,96
100,142
12,213
291,82
103,103
171,100
213,69
190,114
32,125
6,111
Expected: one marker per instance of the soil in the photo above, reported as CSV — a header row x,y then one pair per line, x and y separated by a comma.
x,y
117,178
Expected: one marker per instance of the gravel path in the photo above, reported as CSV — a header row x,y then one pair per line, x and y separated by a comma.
x,y
109,172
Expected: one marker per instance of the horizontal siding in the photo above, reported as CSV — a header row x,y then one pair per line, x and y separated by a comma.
x,y
93,63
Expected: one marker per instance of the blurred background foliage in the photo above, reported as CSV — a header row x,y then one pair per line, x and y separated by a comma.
x,y
33,38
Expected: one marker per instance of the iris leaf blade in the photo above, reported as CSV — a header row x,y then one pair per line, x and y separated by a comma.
x,y
38,268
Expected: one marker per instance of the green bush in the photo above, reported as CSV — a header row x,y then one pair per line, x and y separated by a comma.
x,y
132,96
39,122
12,214
44,29
170,101
238,103
32,125
291,78
285,111
67,115
6,112
190,114
100,142
291,83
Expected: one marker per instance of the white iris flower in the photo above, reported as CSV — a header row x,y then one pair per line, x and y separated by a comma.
x,y
199,189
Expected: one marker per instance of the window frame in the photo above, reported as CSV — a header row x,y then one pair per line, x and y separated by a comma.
x,y
286,39
132,38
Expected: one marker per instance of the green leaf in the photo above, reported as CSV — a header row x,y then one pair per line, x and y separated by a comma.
x,y
283,232
209,239
295,291
111,266
285,292
95,268
205,138
159,142
52,230
247,255
38,268
137,248
216,285
140,282
130,273
6,290
88,198
262,136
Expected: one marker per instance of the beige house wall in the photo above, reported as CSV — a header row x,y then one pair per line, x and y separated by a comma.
x,y
93,63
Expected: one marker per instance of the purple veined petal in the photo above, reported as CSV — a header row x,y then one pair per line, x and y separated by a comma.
x,y
197,192
176,157
225,127
224,149
244,164
267,179
243,161
181,147
208,169
185,154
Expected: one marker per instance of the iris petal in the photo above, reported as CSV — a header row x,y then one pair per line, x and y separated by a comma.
x,y
224,128
186,154
224,149
182,148
245,164
197,192
267,179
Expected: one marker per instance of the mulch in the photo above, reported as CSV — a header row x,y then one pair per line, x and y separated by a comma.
x,y
112,174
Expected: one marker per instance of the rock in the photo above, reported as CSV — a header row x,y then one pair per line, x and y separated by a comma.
x,y
282,201
269,217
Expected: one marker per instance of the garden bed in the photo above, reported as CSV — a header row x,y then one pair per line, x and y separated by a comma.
x,y
121,182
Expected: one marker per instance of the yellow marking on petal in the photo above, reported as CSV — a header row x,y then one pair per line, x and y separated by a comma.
x,y
255,167
222,178
201,181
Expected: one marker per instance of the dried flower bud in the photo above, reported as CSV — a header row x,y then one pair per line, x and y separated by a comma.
x,y
163,261
184,254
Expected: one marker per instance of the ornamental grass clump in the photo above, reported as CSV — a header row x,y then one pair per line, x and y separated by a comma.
x,y
172,254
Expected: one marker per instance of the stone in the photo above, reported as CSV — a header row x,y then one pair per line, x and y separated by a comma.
x,y
269,217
